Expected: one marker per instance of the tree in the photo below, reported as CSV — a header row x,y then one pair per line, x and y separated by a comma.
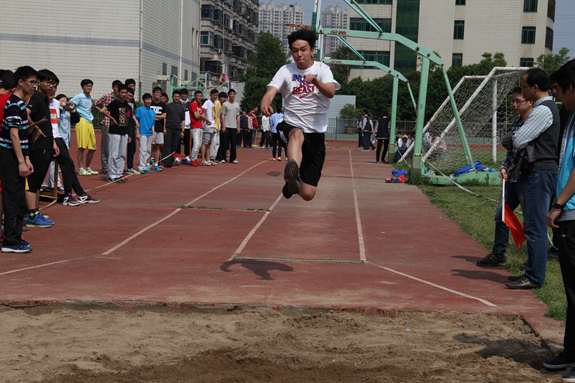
x,y
342,53
264,63
350,112
550,62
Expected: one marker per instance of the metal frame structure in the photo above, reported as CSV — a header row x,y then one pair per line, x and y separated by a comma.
x,y
196,84
427,56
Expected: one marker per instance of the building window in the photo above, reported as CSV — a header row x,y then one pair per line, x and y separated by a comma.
x,y
459,2
374,1
526,62
528,35
458,30
208,11
549,39
164,69
530,6
360,24
457,59
551,9
186,75
207,38
381,57
174,70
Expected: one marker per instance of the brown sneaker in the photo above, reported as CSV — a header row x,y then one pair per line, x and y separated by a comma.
x,y
492,260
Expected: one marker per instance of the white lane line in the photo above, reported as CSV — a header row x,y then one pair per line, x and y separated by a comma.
x,y
139,232
256,227
176,211
357,217
434,285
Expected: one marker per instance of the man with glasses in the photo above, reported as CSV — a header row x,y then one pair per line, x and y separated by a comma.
x,y
43,149
538,177
513,194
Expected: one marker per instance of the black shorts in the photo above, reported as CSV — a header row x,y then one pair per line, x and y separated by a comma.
x,y
313,153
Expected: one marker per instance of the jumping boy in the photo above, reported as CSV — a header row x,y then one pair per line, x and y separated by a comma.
x,y
306,86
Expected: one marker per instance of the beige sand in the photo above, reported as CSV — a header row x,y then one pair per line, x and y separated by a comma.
x,y
262,345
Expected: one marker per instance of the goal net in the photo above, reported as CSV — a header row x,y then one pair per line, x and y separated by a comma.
x,y
486,113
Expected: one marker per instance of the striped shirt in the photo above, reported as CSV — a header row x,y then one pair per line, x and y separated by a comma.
x,y
15,117
539,120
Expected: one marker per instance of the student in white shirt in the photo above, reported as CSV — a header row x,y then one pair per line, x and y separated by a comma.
x,y
307,87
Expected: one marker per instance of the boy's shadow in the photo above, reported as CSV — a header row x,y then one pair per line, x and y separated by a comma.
x,y
260,269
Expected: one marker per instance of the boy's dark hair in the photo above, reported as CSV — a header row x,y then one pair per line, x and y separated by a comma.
x,y
130,81
517,90
146,96
8,80
213,91
60,96
537,76
365,111
302,34
197,92
176,92
47,75
130,90
85,82
184,91
566,75
116,83
156,89
231,91
278,108
122,87
384,113
24,73
165,95
553,78
222,94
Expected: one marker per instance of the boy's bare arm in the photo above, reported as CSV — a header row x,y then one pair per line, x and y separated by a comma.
x,y
327,89
161,117
25,168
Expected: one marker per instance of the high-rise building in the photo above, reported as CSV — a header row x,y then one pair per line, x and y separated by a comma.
x,y
273,19
103,41
333,17
229,34
459,30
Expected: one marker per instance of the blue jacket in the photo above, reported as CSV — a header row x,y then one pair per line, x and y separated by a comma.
x,y
566,166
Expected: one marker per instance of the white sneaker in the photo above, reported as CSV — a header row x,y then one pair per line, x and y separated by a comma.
x,y
177,159
187,159
214,163
235,161
223,161
206,163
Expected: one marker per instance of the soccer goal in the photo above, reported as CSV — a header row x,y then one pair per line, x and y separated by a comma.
x,y
486,113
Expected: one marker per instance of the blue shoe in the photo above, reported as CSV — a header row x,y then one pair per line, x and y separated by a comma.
x,y
39,221
19,248
157,168
85,198
50,221
146,171
25,243
185,162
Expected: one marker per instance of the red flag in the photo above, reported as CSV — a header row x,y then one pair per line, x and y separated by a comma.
x,y
515,226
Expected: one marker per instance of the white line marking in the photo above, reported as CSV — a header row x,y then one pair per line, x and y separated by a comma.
x,y
357,217
139,232
256,227
434,285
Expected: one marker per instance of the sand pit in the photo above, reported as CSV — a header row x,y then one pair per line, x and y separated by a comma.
x,y
262,345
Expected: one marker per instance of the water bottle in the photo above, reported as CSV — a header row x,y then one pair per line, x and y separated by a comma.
x,y
490,170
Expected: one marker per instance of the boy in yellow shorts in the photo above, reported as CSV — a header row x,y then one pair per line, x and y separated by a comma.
x,y
85,136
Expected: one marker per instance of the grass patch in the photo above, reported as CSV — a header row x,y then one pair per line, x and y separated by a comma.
x,y
475,215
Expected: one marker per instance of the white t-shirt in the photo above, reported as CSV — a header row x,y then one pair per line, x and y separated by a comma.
x,y
265,123
305,106
55,117
210,110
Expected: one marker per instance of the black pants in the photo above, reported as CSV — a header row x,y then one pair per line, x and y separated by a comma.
x,y
359,139
249,139
40,160
69,175
385,142
243,138
187,142
367,141
565,235
265,140
276,144
228,141
171,142
131,149
13,197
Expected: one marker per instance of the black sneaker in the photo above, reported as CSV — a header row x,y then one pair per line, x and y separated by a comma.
x,y
285,192
491,260
559,363
515,278
291,176
569,377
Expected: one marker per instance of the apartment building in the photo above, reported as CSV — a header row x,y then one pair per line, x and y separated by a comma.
x,y
273,19
459,30
333,17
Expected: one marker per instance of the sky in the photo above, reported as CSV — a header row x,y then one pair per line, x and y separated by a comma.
x,y
564,26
